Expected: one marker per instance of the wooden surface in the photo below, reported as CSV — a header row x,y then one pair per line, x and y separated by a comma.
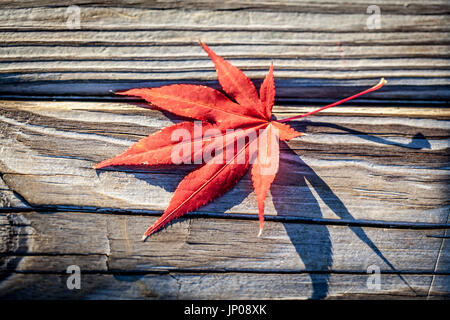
x,y
368,186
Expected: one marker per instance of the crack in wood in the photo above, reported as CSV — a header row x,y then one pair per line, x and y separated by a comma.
x,y
438,259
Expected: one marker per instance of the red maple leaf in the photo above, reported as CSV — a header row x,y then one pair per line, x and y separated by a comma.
x,y
231,135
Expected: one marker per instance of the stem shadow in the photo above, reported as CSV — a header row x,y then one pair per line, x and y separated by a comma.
x,y
418,141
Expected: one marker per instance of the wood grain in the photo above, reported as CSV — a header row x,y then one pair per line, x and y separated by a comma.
x,y
318,6
366,187
105,245
315,55
215,245
217,286
48,150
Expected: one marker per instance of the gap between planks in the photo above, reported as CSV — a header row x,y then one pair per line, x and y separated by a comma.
x,y
236,216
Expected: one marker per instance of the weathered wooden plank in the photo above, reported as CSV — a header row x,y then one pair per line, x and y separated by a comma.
x,y
283,67
50,241
322,78
122,16
220,286
316,91
363,168
160,36
152,75
131,108
320,6
410,49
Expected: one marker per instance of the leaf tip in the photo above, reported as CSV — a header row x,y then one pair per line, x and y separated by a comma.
x,y
102,164
210,53
97,166
122,93
137,92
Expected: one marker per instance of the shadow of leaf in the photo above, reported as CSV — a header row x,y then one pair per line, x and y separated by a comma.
x,y
318,259
294,171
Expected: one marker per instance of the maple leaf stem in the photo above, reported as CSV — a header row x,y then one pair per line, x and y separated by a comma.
x,y
375,87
